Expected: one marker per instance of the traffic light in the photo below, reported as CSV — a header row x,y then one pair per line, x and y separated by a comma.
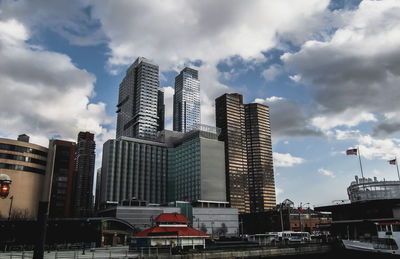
x,y
4,190
5,182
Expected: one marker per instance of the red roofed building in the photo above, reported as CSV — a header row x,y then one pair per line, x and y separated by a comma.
x,y
171,230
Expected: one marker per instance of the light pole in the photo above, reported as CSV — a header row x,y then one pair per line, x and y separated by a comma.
x,y
11,203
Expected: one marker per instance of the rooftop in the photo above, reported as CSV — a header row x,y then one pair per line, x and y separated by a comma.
x,y
172,218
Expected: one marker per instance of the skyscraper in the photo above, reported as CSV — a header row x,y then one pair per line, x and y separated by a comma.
x,y
248,153
61,161
259,158
84,171
138,100
230,118
186,100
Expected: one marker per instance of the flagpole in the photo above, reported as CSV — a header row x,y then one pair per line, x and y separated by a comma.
x,y
397,166
359,158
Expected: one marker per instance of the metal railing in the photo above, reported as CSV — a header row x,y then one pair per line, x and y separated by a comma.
x,y
98,254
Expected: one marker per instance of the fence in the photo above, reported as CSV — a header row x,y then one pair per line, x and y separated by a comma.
x,y
98,254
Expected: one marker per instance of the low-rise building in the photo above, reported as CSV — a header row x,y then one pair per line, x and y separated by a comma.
x,y
171,230
141,217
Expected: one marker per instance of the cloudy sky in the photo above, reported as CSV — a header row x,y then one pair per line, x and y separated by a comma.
x,y
328,70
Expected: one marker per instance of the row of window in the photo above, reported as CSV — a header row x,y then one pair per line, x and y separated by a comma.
x,y
10,147
21,168
22,158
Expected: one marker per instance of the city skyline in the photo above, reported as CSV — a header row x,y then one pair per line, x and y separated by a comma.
x,y
328,70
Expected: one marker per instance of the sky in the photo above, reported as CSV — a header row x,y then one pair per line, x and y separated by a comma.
x,y
328,70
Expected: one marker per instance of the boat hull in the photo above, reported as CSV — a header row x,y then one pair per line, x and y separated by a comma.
x,y
367,247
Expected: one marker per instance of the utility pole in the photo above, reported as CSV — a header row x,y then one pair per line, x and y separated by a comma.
x,y
11,203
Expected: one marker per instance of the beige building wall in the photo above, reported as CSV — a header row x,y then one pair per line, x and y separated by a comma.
x,y
26,190
26,186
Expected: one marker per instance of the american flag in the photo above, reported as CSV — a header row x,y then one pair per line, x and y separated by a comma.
x,y
393,161
352,151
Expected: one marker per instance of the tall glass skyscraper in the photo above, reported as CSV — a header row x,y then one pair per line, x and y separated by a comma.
x,y
138,101
186,100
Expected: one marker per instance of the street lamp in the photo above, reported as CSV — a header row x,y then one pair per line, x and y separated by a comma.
x,y
5,182
11,203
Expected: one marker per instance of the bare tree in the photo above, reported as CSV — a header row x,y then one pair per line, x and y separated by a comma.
x,y
222,230
203,228
23,214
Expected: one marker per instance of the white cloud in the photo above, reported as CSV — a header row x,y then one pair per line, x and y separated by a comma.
x,y
349,117
272,72
347,134
286,160
354,73
372,148
176,33
279,191
12,32
326,172
269,100
42,92
295,78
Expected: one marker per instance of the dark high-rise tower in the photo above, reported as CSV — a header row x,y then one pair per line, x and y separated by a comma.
x,y
84,171
137,101
61,163
230,117
259,158
186,100
245,129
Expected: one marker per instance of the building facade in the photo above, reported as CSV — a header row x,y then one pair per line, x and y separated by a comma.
x,y
259,158
138,101
61,163
178,166
160,111
230,118
25,164
186,113
82,205
134,168
245,129
196,169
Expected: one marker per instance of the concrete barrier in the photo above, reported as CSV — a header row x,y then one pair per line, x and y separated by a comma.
x,y
263,252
